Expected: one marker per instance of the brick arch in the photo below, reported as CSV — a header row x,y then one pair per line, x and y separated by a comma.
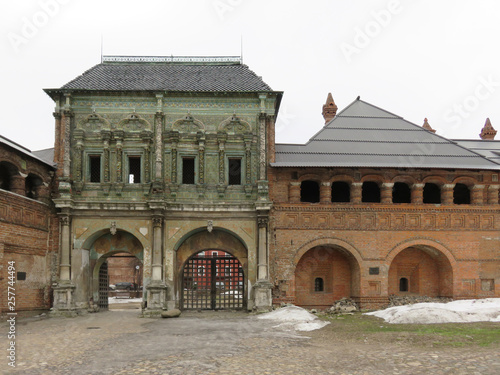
x,y
438,180
467,181
427,266
407,179
342,178
327,241
310,177
335,262
88,240
379,179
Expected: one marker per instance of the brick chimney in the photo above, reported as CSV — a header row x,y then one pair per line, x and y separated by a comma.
x,y
427,127
329,109
488,132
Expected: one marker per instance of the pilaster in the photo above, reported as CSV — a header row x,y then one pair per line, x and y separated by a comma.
x,y
417,194
325,192
447,194
386,192
356,192
294,192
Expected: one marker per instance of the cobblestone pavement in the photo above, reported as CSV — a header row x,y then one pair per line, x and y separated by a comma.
x,y
119,342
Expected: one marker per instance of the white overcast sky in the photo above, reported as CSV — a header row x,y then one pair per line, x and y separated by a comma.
x,y
417,59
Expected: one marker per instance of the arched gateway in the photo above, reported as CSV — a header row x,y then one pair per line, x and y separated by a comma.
x,y
212,271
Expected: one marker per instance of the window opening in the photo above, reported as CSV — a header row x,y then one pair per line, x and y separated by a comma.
x,y
5,180
432,193
134,169
318,284
461,194
370,192
234,171
341,192
403,284
188,171
309,191
401,193
95,168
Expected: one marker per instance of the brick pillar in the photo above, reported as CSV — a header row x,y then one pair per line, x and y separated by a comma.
x,y
477,195
43,193
325,192
18,185
294,192
386,192
417,193
65,265
356,192
447,194
493,191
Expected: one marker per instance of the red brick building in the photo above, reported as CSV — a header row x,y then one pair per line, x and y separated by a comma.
x,y
28,227
374,206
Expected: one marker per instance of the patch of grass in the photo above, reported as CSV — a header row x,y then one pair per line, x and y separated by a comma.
x,y
451,334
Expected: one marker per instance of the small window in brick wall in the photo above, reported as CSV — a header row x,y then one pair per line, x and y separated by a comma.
x,y
134,169
401,193
309,191
234,171
461,194
319,285
341,192
432,193
370,192
188,171
21,276
403,284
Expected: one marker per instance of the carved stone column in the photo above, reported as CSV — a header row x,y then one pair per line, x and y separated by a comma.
x,y
356,192
221,187
66,138
386,192
78,161
262,147
63,292
262,288
493,191
325,192
417,194
477,195
156,290
158,152
447,194
294,192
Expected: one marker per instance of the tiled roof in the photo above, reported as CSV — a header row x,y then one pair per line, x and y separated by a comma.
x,y
169,76
488,148
35,155
363,135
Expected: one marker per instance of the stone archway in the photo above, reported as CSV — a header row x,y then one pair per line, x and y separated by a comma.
x,y
230,249
105,247
324,274
420,270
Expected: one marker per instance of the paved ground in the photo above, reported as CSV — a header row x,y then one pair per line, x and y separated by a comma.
x,y
119,342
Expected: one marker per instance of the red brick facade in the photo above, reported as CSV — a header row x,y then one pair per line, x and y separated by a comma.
x,y
363,250
28,230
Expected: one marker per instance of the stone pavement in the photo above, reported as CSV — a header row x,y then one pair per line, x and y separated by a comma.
x,y
119,342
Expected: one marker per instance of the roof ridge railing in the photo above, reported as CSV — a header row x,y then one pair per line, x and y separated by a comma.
x,y
163,59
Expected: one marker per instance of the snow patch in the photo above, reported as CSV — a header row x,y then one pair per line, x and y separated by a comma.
x,y
294,317
464,311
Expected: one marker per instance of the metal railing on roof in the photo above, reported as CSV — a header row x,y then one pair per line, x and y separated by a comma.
x,y
161,59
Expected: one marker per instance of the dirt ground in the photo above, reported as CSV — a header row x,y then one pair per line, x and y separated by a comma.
x,y
119,342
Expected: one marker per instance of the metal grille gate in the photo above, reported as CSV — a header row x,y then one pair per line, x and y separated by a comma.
x,y
103,286
213,283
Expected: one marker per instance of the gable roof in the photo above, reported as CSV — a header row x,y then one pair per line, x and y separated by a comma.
x,y
363,135
34,155
165,74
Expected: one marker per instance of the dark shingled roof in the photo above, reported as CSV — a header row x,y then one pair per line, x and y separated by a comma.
x,y
488,148
363,135
210,77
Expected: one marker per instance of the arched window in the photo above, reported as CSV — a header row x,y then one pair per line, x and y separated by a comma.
x,y
341,192
403,284
401,193
370,192
319,285
4,177
309,191
32,183
461,194
432,193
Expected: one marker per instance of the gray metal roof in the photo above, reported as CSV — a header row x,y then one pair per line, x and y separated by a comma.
x,y
169,76
28,152
363,135
488,148
46,155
